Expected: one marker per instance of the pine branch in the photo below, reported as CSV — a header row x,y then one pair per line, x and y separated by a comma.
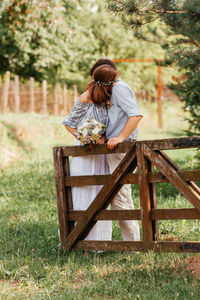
x,y
164,11
144,38
152,10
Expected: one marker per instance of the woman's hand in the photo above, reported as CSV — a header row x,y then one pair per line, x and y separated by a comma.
x,y
102,140
131,124
113,142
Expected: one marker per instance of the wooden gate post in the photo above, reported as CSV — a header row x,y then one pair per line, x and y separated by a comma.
x,y
61,196
64,198
152,194
68,192
145,198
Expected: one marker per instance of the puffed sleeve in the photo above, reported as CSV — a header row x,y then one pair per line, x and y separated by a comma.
x,y
126,99
73,119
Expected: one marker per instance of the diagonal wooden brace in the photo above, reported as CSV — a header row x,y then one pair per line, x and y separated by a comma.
x,y
192,184
103,199
171,174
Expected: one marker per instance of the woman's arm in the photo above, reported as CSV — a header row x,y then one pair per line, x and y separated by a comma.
x,y
71,130
131,124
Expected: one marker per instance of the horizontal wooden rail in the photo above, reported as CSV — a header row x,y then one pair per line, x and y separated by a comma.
x,y
162,144
188,175
165,246
175,214
135,214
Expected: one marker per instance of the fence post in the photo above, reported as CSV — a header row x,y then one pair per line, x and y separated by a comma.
x,y
145,203
65,98
44,96
6,91
160,123
56,99
16,91
75,93
32,97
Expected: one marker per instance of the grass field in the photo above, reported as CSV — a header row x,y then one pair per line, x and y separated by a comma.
x,y
31,263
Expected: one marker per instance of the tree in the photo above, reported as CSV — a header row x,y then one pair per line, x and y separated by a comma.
x,y
182,18
59,40
34,38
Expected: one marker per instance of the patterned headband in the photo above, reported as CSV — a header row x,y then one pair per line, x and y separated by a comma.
x,y
100,83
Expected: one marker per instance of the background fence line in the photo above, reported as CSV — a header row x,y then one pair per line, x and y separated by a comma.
x,y
30,96
33,97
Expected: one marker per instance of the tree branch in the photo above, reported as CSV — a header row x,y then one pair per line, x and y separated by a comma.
x,y
164,11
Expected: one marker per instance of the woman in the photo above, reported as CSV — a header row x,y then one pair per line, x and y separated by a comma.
x,y
91,104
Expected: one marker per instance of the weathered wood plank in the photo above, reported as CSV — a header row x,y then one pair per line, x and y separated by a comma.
x,y
109,245
61,195
174,246
68,193
156,214
173,143
128,179
175,214
98,149
124,246
103,199
187,175
145,202
97,180
153,202
161,144
192,184
172,176
131,214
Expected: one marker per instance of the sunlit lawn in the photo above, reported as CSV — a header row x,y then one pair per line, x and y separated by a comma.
x,y
31,263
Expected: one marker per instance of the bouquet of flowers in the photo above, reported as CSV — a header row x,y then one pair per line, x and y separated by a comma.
x,y
89,132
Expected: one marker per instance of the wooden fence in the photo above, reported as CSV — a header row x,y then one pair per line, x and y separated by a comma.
x,y
31,97
145,155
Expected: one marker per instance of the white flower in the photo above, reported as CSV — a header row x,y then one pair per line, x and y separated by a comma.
x,y
95,130
85,132
85,124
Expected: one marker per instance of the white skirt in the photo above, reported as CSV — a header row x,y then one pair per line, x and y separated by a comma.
x,y
83,196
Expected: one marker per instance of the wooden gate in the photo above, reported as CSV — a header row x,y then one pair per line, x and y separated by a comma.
x,y
145,156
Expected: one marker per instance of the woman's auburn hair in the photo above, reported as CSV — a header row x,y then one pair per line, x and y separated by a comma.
x,y
99,94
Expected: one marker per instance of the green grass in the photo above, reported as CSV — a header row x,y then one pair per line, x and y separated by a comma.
x,y
31,263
